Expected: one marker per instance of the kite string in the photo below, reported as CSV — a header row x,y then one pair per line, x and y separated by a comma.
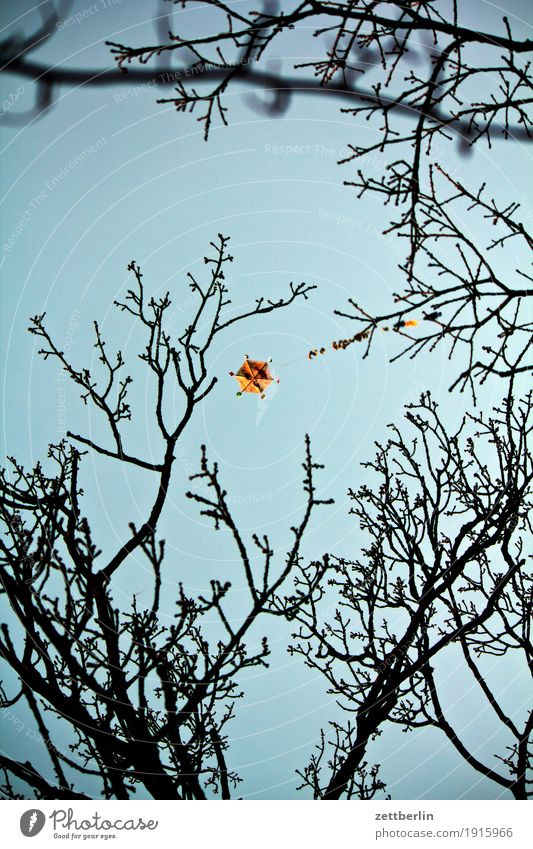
x,y
280,366
315,352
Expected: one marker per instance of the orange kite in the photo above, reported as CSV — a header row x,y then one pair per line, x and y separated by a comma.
x,y
253,376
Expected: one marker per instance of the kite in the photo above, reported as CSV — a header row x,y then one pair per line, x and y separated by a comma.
x,y
253,376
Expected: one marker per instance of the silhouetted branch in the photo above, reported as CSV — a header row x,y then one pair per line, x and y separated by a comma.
x,y
460,298
363,41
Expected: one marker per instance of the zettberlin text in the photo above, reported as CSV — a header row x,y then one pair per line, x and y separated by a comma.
x,y
399,815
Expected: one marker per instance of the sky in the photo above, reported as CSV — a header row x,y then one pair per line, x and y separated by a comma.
x,y
108,176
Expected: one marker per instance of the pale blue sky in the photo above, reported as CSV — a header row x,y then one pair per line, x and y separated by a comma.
x,y
152,190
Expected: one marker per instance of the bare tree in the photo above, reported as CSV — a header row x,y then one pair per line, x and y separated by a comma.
x,y
445,517
138,701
